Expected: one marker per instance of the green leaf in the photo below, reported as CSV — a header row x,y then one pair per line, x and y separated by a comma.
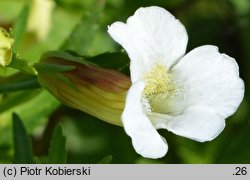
x,y
19,28
18,81
23,103
116,60
83,37
106,160
83,34
16,99
57,151
22,143
22,65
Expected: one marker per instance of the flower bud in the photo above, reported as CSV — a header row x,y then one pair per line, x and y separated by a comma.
x,y
6,43
39,20
94,90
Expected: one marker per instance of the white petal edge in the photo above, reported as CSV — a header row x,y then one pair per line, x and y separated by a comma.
x,y
145,139
198,123
209,78
151,36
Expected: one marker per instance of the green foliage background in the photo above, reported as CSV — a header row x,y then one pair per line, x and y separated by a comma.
x,y
81,26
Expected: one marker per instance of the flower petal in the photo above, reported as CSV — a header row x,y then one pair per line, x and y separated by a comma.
x,y
208,78
210,91
137,125
152,35
198,123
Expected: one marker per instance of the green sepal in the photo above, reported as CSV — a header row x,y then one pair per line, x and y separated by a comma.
x,y
65,56
22,65
50,68
116,60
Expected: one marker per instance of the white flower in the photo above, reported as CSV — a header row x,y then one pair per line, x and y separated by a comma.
x,y
188,95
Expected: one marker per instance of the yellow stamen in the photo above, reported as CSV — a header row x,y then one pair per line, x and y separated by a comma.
x,y
159,81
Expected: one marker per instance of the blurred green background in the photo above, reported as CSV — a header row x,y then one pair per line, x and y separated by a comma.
x,y
81,26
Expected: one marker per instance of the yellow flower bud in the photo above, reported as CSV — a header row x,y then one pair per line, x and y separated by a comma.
x,y
6,43
98,91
